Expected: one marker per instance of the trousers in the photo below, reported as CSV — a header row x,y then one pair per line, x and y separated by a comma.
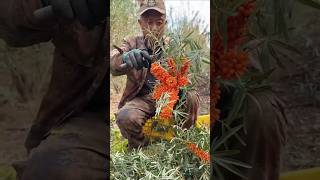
x,y
76,150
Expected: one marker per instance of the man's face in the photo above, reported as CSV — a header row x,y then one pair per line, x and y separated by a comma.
x,y
152,22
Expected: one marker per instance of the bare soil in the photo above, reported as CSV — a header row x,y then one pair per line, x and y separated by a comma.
x,y
303,131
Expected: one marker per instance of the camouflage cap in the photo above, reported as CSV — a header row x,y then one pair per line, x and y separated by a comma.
x,y
146,5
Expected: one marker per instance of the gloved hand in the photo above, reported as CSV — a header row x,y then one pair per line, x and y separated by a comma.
x,y
137,59
88,12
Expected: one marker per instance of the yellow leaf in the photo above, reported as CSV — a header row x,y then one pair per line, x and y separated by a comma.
x,y
307,174
203,121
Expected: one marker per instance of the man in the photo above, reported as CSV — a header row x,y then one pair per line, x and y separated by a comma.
x,y
68,139
264,138
136,105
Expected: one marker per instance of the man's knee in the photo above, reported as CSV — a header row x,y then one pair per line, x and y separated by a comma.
x,y
49,165
126,118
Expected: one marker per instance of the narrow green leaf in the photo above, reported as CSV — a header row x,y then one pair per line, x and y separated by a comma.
x,y
238,98
284,45
224,138
226,153
235,162
231,169
312,3
275,56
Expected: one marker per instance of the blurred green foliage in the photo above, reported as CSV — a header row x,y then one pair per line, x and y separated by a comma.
x,y
164,160
7,173
123,20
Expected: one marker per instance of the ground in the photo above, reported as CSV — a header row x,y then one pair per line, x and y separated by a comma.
x,y
303,131
14,127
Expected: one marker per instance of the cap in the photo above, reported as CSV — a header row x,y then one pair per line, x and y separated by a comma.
x,y
146,5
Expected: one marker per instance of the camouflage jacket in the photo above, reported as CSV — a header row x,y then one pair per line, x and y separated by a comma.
x,y
79,64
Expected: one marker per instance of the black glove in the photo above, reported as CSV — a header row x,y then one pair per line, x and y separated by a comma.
x,y
88,12
137,59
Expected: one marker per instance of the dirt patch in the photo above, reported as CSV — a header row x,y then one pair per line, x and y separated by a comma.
x,y
15,120
303,131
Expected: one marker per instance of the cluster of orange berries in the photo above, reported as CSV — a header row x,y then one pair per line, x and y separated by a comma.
x,y
237,24
166,111
233,64
236,36
230,62
203,155
170,82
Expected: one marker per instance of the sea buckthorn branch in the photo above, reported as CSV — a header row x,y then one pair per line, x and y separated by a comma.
x,y
229,62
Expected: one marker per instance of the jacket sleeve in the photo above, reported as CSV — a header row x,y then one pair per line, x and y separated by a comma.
x,y
116,57
18,27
